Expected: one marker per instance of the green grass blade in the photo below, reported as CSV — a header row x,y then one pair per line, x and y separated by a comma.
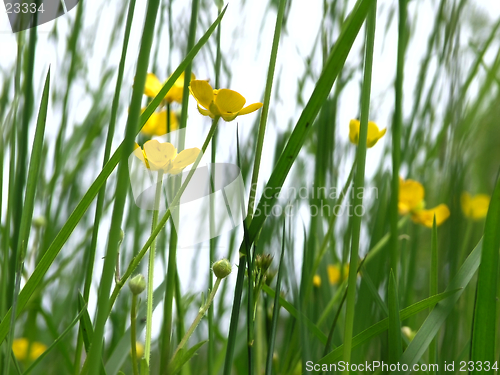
x,y
395,339
433,288
484,331
276,310
383,325
437,317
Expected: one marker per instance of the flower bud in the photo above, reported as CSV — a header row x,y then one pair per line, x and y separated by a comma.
x,y
39,222
263,261
137,284
221,268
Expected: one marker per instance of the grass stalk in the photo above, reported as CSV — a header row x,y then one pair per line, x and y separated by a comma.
x,y
359,181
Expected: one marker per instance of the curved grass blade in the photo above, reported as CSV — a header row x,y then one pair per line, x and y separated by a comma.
x,y
383,325
484,330
437,317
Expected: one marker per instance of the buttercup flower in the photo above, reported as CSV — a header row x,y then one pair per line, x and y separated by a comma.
x,y
157,123
334,273
153,87
139,349
411,196
163,156
475,207
317,281
411,200
225,103
20,349
374,134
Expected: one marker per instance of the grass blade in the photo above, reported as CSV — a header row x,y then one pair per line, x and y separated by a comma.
x,y
484,329
395,339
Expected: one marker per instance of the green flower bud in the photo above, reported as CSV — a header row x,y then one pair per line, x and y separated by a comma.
x,y
221,268
137,284
263,261
39,222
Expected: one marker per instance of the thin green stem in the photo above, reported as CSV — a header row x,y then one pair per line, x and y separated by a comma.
x,y
197,320
133,334
151,266
359,181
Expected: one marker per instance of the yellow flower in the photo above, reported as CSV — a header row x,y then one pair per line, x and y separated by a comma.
x,y
225,103
317,281
20,349
153,87
374,134
163,156
334,273
411,200
139,349
411,196
157,123
475,207
426,217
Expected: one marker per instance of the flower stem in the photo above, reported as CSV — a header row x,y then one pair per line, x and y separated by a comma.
x,y
149,315
133,315
197,320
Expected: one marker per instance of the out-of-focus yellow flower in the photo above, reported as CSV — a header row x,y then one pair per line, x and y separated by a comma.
x,y
317,281
475,207
157,123
163,156
408,332
225,103
20,349
374,134
139,349
426,217
334,273
411,196
411,200
153,87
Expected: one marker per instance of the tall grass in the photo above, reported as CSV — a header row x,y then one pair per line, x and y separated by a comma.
x,y
311,285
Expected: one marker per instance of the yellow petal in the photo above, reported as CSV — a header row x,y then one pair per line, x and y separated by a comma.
x,y
159,155
354,131
411,196
157,124
202,92
249,109
229,101
333,274
37,349
205,112
476,207
140,155
374,134
20,348
153,85
185,158
426,217
317,281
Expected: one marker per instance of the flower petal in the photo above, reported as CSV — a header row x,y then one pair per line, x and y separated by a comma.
x,y
411,195
152,86
202,92
185,158
249,109
374,134
157,124
205,112
354,131
159,155
229,101
426,217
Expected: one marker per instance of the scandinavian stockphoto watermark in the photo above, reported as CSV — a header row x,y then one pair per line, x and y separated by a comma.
x,y
25,15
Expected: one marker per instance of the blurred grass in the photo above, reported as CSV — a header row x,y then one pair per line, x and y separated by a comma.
x,y
442,131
